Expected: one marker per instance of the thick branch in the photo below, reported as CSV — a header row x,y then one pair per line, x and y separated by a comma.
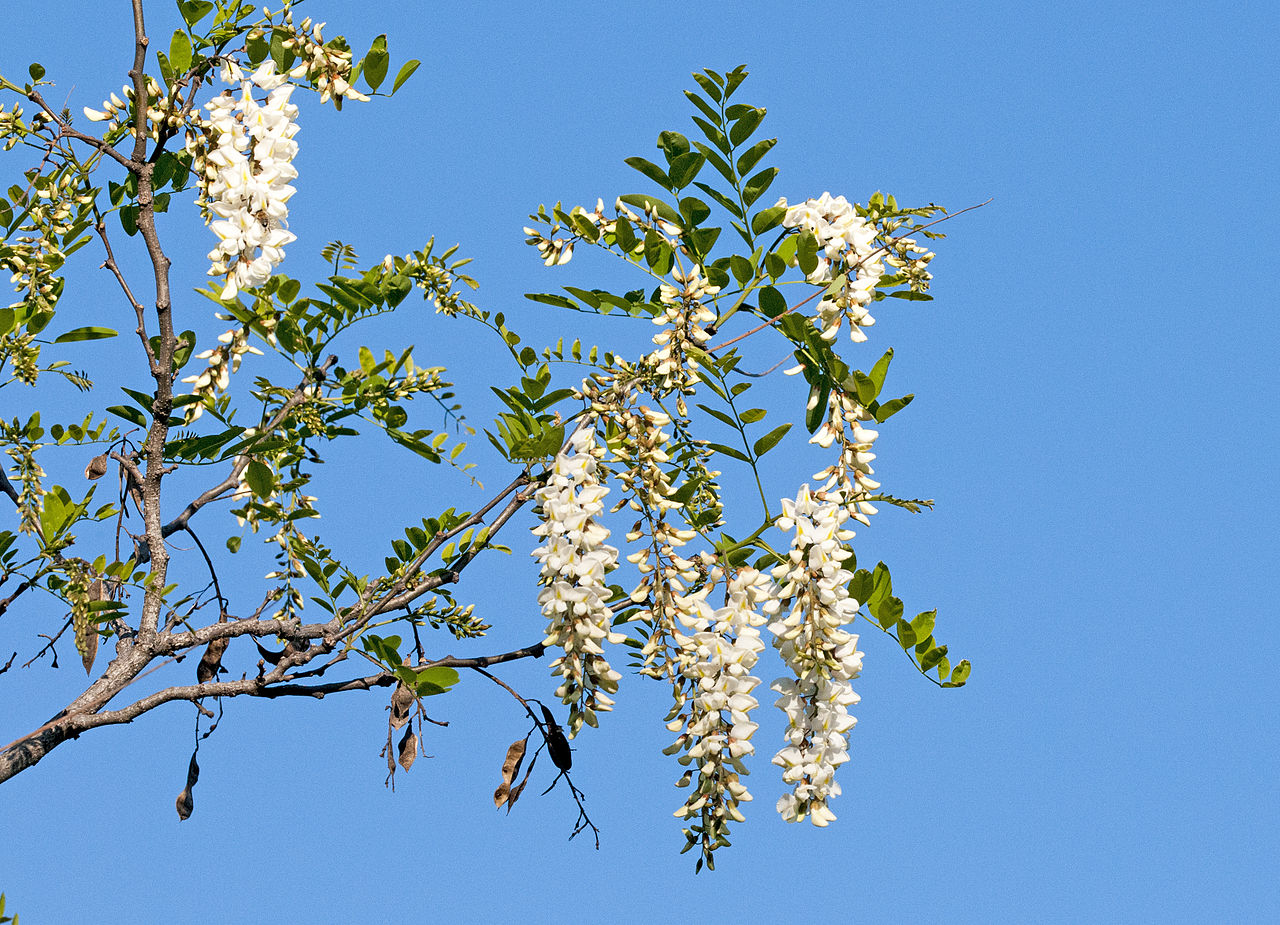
x,y
31,748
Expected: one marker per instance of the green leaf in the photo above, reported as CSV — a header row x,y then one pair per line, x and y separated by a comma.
x,y
650,170
375,63
260,478
860,586
772,302
932,657
878,371
906,634
729,451
865,388
767,219
36,71
890,612
86,333
132,415
770,440
890,408
923,624
725,202
707,110
910,296
753,155
673,144
757,185
752,415
684,167
436,680
193,11
747,123
180,52
959,674
549,298
708,86
405,73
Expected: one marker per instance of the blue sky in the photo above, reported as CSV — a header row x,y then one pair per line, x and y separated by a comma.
x,y
1095,390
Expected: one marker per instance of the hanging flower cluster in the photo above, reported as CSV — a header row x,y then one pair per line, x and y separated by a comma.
x,y
575,560
847,246
244,165
639,444
851,473
809,614
684,316
222,362
718,647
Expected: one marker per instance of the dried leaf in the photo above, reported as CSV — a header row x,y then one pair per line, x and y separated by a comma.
x,y
211,661
510,768
408,748
185,803
97,467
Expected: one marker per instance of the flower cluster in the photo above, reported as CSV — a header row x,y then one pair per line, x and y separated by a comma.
x,y
164,110
596,227
221,361
851,473
811,608
639,445
327,67
575,560
846,243
244,174
684,314
718,647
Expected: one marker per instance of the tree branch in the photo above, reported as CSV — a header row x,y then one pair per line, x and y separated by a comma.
x,y
242,461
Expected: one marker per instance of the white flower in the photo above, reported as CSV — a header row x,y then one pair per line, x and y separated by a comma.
x,y
809,614
574,598
846,243
247,176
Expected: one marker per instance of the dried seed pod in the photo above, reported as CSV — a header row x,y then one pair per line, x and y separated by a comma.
x,y
186,803
557,744
408,748
97,467
211,662
510,768
401,704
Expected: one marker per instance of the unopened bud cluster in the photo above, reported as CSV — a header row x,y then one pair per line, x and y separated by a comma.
x,y
850,475
597,228
221,362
